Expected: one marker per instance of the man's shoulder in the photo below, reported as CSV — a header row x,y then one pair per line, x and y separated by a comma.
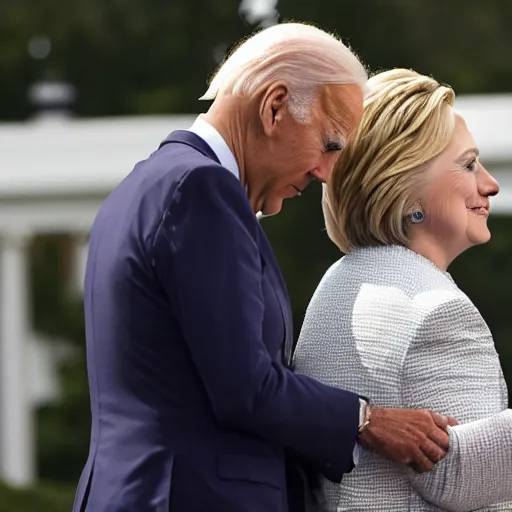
x,y
174,162
157,178
173,171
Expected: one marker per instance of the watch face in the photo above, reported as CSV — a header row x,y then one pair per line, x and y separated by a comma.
x,y
364,415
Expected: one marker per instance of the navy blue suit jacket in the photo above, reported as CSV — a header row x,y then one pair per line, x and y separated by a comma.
x,y
187,321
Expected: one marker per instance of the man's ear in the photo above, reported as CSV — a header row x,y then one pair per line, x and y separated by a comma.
x,y
273,105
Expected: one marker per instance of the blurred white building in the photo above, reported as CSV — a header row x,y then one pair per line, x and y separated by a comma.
x,y
54,173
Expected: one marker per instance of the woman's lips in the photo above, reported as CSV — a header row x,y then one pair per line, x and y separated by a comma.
x,y
480,210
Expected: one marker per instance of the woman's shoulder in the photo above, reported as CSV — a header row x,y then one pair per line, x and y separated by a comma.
x,y
392,266
390,276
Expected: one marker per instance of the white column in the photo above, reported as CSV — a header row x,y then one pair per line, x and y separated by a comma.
x,y
80,250
16,422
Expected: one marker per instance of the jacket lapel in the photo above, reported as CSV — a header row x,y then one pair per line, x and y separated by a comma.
x,y
196,142
279,287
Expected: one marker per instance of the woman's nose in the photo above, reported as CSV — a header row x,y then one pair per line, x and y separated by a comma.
x,y
488,186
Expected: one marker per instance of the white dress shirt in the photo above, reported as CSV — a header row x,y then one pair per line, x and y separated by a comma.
x,y
219,146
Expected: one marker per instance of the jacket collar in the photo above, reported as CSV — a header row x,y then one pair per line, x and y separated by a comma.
x,y
194,141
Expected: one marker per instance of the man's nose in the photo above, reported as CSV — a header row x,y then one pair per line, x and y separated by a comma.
x,y
324,170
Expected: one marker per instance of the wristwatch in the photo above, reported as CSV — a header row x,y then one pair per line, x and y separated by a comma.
x,y
364,415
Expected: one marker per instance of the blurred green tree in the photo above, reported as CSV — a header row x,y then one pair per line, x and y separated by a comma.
x,y
63,428
461,42
42,498
123,56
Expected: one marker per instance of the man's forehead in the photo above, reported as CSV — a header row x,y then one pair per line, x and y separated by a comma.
x,y
341,107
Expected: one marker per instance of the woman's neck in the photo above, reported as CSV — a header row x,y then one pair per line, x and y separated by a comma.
x,y
432,251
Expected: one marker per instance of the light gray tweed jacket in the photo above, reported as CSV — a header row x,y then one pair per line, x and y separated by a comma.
x,y
388,324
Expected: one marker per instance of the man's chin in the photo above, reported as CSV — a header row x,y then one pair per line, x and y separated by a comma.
x,y
271,208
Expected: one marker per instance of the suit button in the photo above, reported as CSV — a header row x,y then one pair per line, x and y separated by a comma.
x,y
328,465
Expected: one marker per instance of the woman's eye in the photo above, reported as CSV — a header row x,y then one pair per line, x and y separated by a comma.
x,y
471,166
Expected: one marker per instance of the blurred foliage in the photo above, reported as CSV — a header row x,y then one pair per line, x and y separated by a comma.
x,y
460,42
63,428
129,57
43,498
153,56
124,56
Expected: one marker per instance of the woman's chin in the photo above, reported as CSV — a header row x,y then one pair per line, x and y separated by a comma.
x,y
480,236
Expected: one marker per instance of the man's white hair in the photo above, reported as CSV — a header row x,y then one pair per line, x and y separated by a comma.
x,y
302,56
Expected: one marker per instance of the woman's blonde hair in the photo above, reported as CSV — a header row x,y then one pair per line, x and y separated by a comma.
x,y
407,121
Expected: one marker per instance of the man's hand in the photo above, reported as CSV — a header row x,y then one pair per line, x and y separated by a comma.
x,y
415,438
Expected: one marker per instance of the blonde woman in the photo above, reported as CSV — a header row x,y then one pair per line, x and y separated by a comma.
x,y
408,195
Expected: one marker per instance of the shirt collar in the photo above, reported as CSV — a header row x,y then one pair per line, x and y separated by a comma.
x,y
219,146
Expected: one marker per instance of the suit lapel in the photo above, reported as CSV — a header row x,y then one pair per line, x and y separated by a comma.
x,y
279,288
196,142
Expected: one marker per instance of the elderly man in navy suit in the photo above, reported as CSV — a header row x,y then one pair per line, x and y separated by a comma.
x,y
189,333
